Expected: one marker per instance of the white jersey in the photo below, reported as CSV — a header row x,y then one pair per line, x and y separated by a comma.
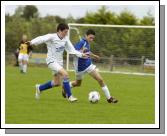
x,y
55,47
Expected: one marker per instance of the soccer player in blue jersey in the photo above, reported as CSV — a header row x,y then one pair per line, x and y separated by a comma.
x,y
83,66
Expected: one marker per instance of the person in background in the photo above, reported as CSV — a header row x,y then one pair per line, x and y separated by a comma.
x,y
25,50
16,54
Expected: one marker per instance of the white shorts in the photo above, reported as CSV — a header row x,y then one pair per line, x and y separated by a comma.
x,y
80,75
55,67
23,57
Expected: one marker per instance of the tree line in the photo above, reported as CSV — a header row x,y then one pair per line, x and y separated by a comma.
x,y
115,41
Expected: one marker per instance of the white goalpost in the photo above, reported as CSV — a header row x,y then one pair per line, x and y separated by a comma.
x,y
121,26
135,33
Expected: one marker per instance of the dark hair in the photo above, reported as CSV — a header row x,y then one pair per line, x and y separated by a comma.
x,y
62,26
90,31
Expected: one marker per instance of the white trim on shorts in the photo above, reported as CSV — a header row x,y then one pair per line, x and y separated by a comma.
x,y
80,75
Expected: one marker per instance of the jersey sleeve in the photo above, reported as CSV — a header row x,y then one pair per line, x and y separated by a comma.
x,y
41,39
71,50
79,45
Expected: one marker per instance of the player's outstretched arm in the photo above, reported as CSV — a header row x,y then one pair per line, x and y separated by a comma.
x,y
70,49
94,56
40,39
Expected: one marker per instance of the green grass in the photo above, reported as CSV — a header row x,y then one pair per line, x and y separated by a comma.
x,y
135,94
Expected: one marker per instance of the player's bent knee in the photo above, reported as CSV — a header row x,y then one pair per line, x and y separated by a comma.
x,y
64,73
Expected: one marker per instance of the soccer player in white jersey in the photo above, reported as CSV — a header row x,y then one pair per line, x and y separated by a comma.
x,y
83,66
56,44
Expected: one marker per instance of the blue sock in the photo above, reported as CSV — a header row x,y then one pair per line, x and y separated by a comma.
x,y
67,87
47,85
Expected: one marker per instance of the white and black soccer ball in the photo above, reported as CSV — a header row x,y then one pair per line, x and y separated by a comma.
x,y
94,96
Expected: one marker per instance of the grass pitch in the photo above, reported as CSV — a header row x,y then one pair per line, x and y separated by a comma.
x,y
135,94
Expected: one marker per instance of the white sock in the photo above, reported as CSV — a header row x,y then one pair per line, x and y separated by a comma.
x,y
71,85
106,92
25,68
21,66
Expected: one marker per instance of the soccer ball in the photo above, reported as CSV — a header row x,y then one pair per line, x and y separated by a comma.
x,y
94,96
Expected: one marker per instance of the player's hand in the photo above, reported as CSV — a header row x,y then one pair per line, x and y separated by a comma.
x,y
85,55
97,57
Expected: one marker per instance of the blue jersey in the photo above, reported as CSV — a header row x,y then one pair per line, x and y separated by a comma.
x,y
81,64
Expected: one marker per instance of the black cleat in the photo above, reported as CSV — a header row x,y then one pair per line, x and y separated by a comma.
x,y
112,100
